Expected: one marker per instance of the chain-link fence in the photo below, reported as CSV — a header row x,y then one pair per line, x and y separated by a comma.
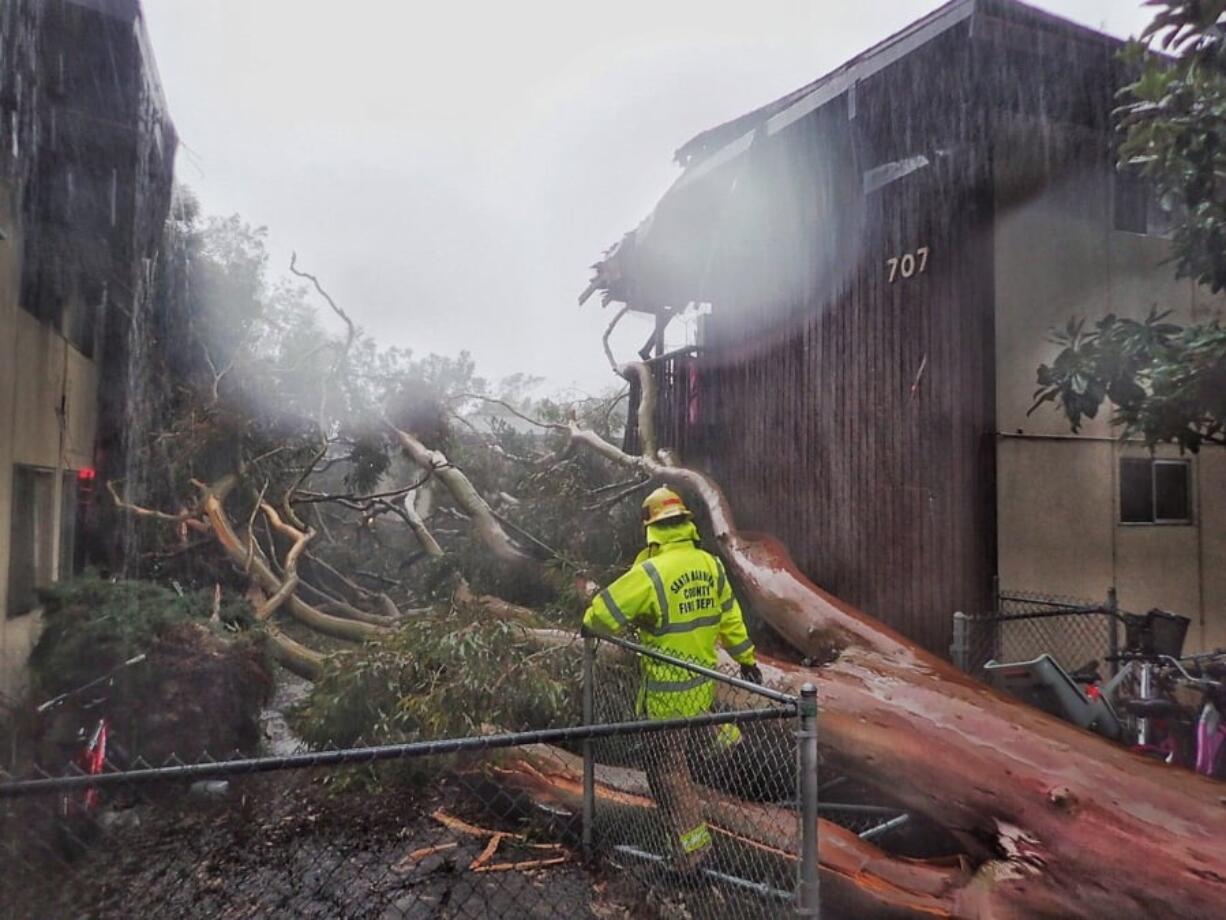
x,y
703,808
723,805
1025,625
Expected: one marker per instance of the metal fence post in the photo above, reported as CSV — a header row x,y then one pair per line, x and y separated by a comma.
x,y
589,766
960,649
1113,634
808,896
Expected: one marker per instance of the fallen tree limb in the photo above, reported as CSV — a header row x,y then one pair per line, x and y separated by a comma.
x,y
347,611
407,510
331,604
212,500
1087,828
357,590
489,530
293,655
390,610
494,607
289,567
858,879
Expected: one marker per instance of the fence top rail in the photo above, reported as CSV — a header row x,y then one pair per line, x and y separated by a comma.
x,y
1095,610
1040,600
740,683
365,755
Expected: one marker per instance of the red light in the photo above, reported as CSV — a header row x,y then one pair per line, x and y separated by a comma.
x,y
87,474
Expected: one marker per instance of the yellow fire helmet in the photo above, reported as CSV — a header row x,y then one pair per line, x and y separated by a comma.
x,y
662,505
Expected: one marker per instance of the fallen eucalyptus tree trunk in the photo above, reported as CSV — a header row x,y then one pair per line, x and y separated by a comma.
x,y
858,879
1080,827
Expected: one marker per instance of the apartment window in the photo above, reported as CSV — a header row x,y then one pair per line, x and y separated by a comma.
x,y
1136,208
31,537
1155,491
70,505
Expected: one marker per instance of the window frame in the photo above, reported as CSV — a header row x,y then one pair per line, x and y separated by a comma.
x,y
38,542
1187,467
1153,464
1158,223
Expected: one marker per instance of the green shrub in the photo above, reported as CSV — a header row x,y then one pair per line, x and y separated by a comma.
x,y
442,675
199,690
91,624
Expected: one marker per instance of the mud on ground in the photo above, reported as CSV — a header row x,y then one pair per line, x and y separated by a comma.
x,y
278,847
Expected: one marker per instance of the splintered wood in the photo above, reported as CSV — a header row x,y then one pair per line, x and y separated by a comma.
x,y
481,862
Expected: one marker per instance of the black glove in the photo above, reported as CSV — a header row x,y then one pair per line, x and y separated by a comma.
x,y
585,632
751,673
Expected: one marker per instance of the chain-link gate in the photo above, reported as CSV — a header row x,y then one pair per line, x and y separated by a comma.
x,y
578,821
1025,625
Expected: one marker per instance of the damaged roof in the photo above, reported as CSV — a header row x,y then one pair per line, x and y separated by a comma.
x,y
630,271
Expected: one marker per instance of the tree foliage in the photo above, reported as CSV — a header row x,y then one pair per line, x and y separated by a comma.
x,y
442,675
1174,129
271,382
1167,381
93,624
199,688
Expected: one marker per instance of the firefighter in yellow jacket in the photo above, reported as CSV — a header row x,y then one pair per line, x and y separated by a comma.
x,y
678,598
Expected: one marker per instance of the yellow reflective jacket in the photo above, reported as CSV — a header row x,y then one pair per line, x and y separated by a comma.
x,y
678,598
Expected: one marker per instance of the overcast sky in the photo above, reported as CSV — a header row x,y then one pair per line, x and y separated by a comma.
x,y
449,170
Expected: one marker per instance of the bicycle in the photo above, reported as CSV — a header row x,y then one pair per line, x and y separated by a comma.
x,y
1161,726
1138,706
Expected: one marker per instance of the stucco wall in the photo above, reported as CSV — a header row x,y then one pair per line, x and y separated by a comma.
x,y
1211,482
1057,256
48,369
39,371
1054,495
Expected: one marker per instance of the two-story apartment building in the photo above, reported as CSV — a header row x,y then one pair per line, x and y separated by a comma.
x,y
86,157
882,254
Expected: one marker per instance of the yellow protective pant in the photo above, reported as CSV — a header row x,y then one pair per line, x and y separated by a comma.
x,y
668,775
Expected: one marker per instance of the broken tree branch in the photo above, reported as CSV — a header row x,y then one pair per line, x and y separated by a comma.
x,y
213,497
407,510
488,528
555,426
186,518
351,332
604,341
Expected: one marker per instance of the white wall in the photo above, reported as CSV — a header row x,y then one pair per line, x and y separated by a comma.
x,y
1058,256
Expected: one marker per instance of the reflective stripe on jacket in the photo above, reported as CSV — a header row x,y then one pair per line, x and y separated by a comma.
x,y
678,598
